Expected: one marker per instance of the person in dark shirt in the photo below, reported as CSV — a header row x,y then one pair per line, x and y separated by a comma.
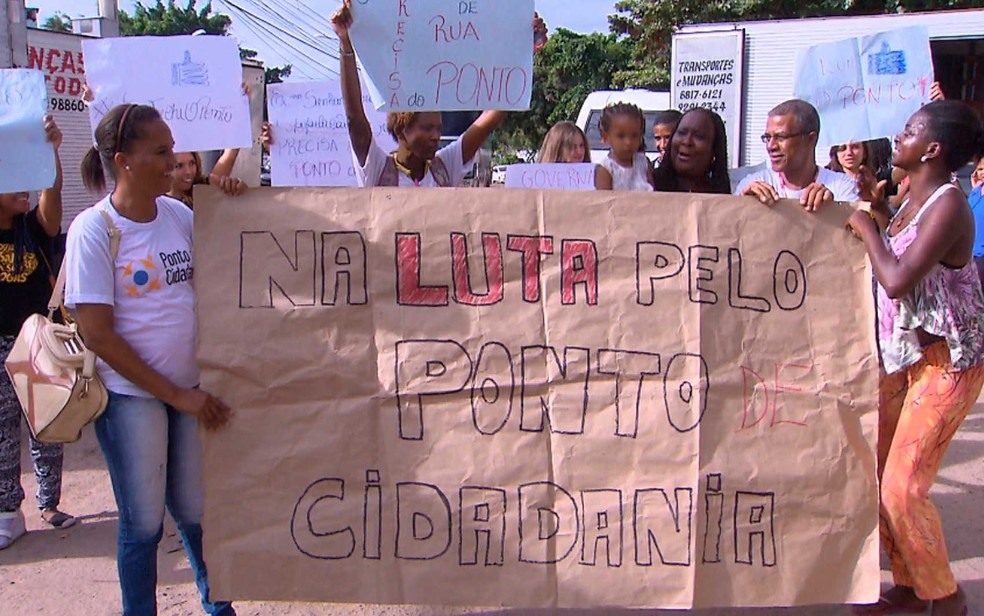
x,y
696,159
26,276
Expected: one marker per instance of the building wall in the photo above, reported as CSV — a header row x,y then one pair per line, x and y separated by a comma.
x,y
59,56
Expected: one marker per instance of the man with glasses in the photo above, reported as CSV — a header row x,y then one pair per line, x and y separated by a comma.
x,y
791,134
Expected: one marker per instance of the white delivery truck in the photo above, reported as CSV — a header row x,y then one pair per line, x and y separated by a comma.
x,y
746,68
587,119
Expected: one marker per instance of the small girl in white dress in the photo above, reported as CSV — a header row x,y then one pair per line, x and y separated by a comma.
x,y
625,168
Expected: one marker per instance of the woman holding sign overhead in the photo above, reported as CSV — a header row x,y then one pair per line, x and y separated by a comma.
x,y
417,160
26,274
931,341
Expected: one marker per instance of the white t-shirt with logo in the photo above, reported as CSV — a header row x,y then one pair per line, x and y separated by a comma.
x,y
450,155
844,187
149,287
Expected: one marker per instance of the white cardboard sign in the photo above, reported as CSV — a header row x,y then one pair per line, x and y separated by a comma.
x,y
866,87
446,55
27,160
563,176
194,81
311,145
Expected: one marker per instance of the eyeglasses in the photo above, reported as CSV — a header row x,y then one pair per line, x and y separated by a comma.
x,y
780,138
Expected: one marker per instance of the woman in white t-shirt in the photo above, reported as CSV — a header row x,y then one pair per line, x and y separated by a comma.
x,y
137,313
417,161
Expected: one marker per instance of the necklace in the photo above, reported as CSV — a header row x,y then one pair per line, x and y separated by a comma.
x,y
903,218
908,212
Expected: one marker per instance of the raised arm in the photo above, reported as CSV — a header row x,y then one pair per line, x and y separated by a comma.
x,y
360,131
479,131
942,237
226,162
50,202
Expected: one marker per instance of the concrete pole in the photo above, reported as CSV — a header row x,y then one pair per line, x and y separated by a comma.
x,y
6,49
109,13
13,33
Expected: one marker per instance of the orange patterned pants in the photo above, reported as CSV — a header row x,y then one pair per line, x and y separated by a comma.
x,y
919,411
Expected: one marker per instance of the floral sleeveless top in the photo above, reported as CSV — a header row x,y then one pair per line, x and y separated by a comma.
x,y
947,303
635,178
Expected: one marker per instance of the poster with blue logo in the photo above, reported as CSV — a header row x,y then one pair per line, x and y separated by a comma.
x,y
195,82
866,87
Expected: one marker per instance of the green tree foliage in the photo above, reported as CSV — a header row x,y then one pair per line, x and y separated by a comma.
x,y
271,74
276,74
565,71
59,22
172,19
649,24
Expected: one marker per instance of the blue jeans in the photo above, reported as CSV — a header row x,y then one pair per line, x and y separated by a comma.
x,y
154,459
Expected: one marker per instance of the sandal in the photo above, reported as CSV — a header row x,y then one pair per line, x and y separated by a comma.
x,y
57,519
11,528
887,606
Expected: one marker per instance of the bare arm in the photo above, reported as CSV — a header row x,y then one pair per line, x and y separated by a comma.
x,y
478,132
50,203
96,323
597,178
226,162
942,237
360,131
603,178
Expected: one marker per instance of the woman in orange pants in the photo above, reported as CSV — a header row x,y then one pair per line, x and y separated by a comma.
x,y
931,340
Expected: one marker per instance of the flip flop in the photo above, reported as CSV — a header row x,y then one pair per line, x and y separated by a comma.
x,y
58,519
887,606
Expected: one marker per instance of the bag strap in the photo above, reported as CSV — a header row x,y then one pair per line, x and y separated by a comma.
x,y
58,292
440,172
47,264
390,175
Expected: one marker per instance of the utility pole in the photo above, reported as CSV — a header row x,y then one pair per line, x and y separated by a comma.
x,y
13,33
6,49
109,13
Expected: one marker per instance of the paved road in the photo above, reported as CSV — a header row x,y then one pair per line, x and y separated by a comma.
x,y
73,572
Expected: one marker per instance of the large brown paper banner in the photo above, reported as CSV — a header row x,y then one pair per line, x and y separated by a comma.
x,y
520,398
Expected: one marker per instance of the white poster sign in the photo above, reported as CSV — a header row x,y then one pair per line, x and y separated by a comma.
x,y
707,72
866,87
311,145
564,176
27,160
194,81
446,55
